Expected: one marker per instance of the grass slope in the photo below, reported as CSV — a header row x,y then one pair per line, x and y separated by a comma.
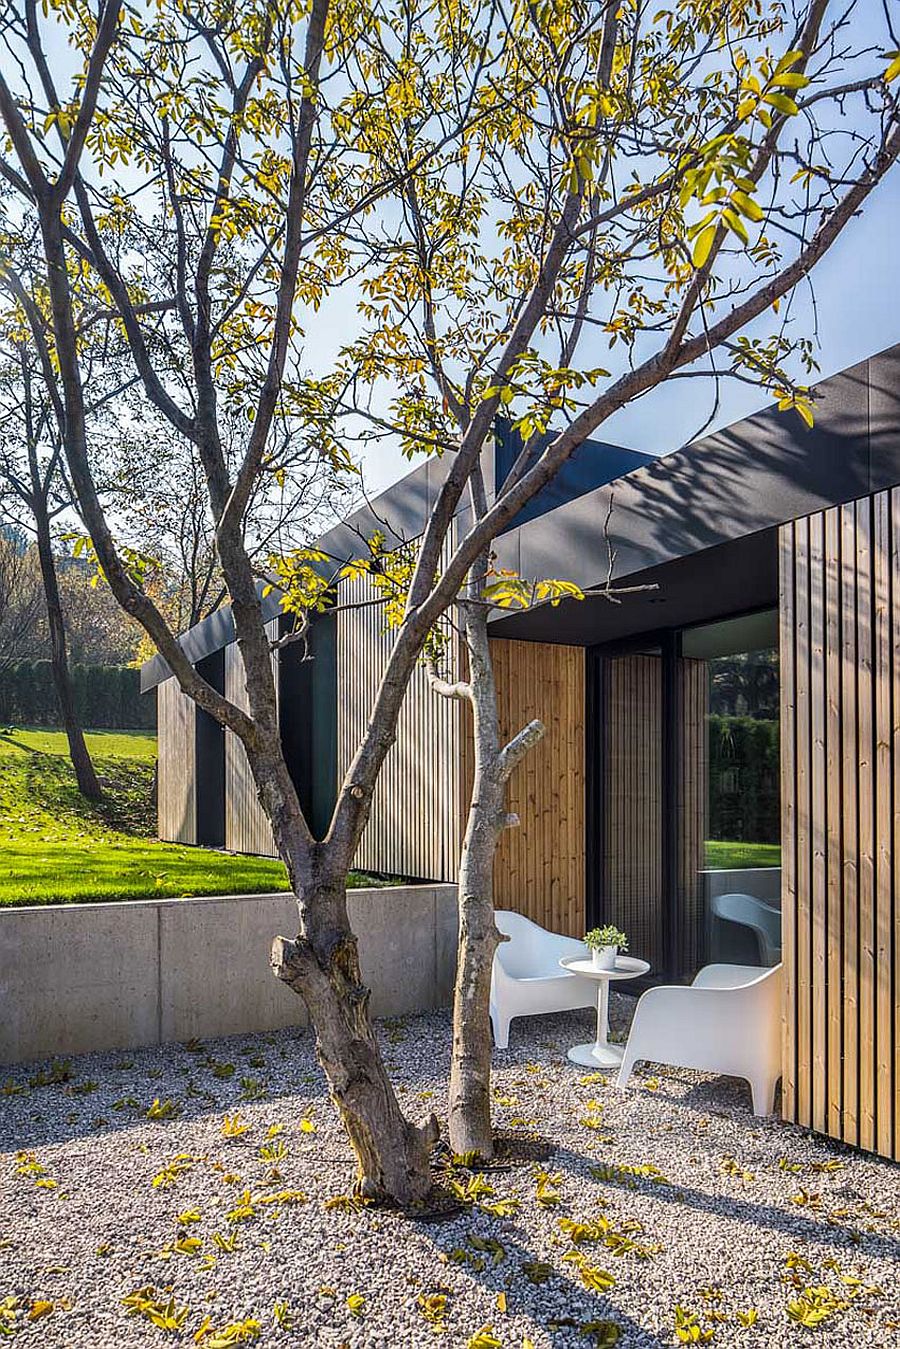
x,y
725,856
55,847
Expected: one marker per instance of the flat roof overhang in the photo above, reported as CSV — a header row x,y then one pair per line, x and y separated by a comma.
x,y
734,577
702,523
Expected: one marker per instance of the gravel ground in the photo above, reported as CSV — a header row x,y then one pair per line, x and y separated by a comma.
x,y
684,1200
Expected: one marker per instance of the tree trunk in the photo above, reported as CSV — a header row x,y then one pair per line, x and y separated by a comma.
x,y
322,966
469,1119
59,660
470,1069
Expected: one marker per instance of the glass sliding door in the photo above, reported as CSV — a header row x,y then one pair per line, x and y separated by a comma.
x,y
684,850
736,896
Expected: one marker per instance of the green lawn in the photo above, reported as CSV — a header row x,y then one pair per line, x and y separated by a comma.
x,y
54,847
723,856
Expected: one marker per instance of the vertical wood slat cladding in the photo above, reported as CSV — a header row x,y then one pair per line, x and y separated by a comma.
x,y
247,830
632,881
413,828
539,868
840,714
176,780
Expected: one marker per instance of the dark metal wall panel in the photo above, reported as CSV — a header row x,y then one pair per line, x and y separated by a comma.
x,y
210,759
247,829
307,675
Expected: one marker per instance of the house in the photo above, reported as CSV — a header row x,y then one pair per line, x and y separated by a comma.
x,y
768,557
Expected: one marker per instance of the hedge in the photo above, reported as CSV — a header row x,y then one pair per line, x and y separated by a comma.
x,y
107,697
744,786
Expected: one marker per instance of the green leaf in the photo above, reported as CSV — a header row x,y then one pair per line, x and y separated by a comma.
x,y
736,225
781,103
746,205
789,59
791,81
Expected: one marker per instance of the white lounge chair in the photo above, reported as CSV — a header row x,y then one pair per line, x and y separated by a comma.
x,y
727,1021
762,920
526,978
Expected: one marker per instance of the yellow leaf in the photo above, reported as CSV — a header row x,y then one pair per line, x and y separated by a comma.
x,y
501,1302
484,1339
893,69
703,245
40,1307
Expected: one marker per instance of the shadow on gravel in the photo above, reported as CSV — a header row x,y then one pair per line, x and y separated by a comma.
x,y
750,1213
560,1306
78,1096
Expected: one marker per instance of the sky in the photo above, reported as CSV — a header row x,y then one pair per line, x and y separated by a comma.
x,y
855,313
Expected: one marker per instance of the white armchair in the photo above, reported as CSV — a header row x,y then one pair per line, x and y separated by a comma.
x,y
762,920
526,978
727,1021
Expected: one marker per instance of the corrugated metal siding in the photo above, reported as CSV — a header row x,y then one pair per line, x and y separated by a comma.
x,y
176,780
414,827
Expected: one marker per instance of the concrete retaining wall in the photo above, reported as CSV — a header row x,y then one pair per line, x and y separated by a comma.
x,y
80,977
763,882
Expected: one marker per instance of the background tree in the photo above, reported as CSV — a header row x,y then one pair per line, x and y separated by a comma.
x,y
494,186
32,471
20,592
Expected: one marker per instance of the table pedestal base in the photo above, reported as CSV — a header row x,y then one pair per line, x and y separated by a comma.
x,y
597,1055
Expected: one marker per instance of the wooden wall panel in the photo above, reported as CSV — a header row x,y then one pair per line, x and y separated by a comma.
x,y
414,827
840,708
176,775
247,830
540,864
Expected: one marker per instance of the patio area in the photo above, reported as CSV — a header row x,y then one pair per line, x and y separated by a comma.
x,y
659,1215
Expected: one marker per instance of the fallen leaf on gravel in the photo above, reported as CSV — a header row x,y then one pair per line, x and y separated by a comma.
x,y
537,1271
283,1316
688,1329
433,1309
161,1110
234,1127
484,1339
595,1279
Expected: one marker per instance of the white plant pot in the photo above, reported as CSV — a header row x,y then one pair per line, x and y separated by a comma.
x,y
604,958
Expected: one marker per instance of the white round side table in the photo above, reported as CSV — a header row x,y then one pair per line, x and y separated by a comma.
x,y
601,1054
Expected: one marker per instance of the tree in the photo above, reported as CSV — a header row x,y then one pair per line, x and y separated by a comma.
x,y
20,595
698,95
494,186
31,469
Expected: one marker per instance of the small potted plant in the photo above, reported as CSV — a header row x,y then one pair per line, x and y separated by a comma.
x,y
604,944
